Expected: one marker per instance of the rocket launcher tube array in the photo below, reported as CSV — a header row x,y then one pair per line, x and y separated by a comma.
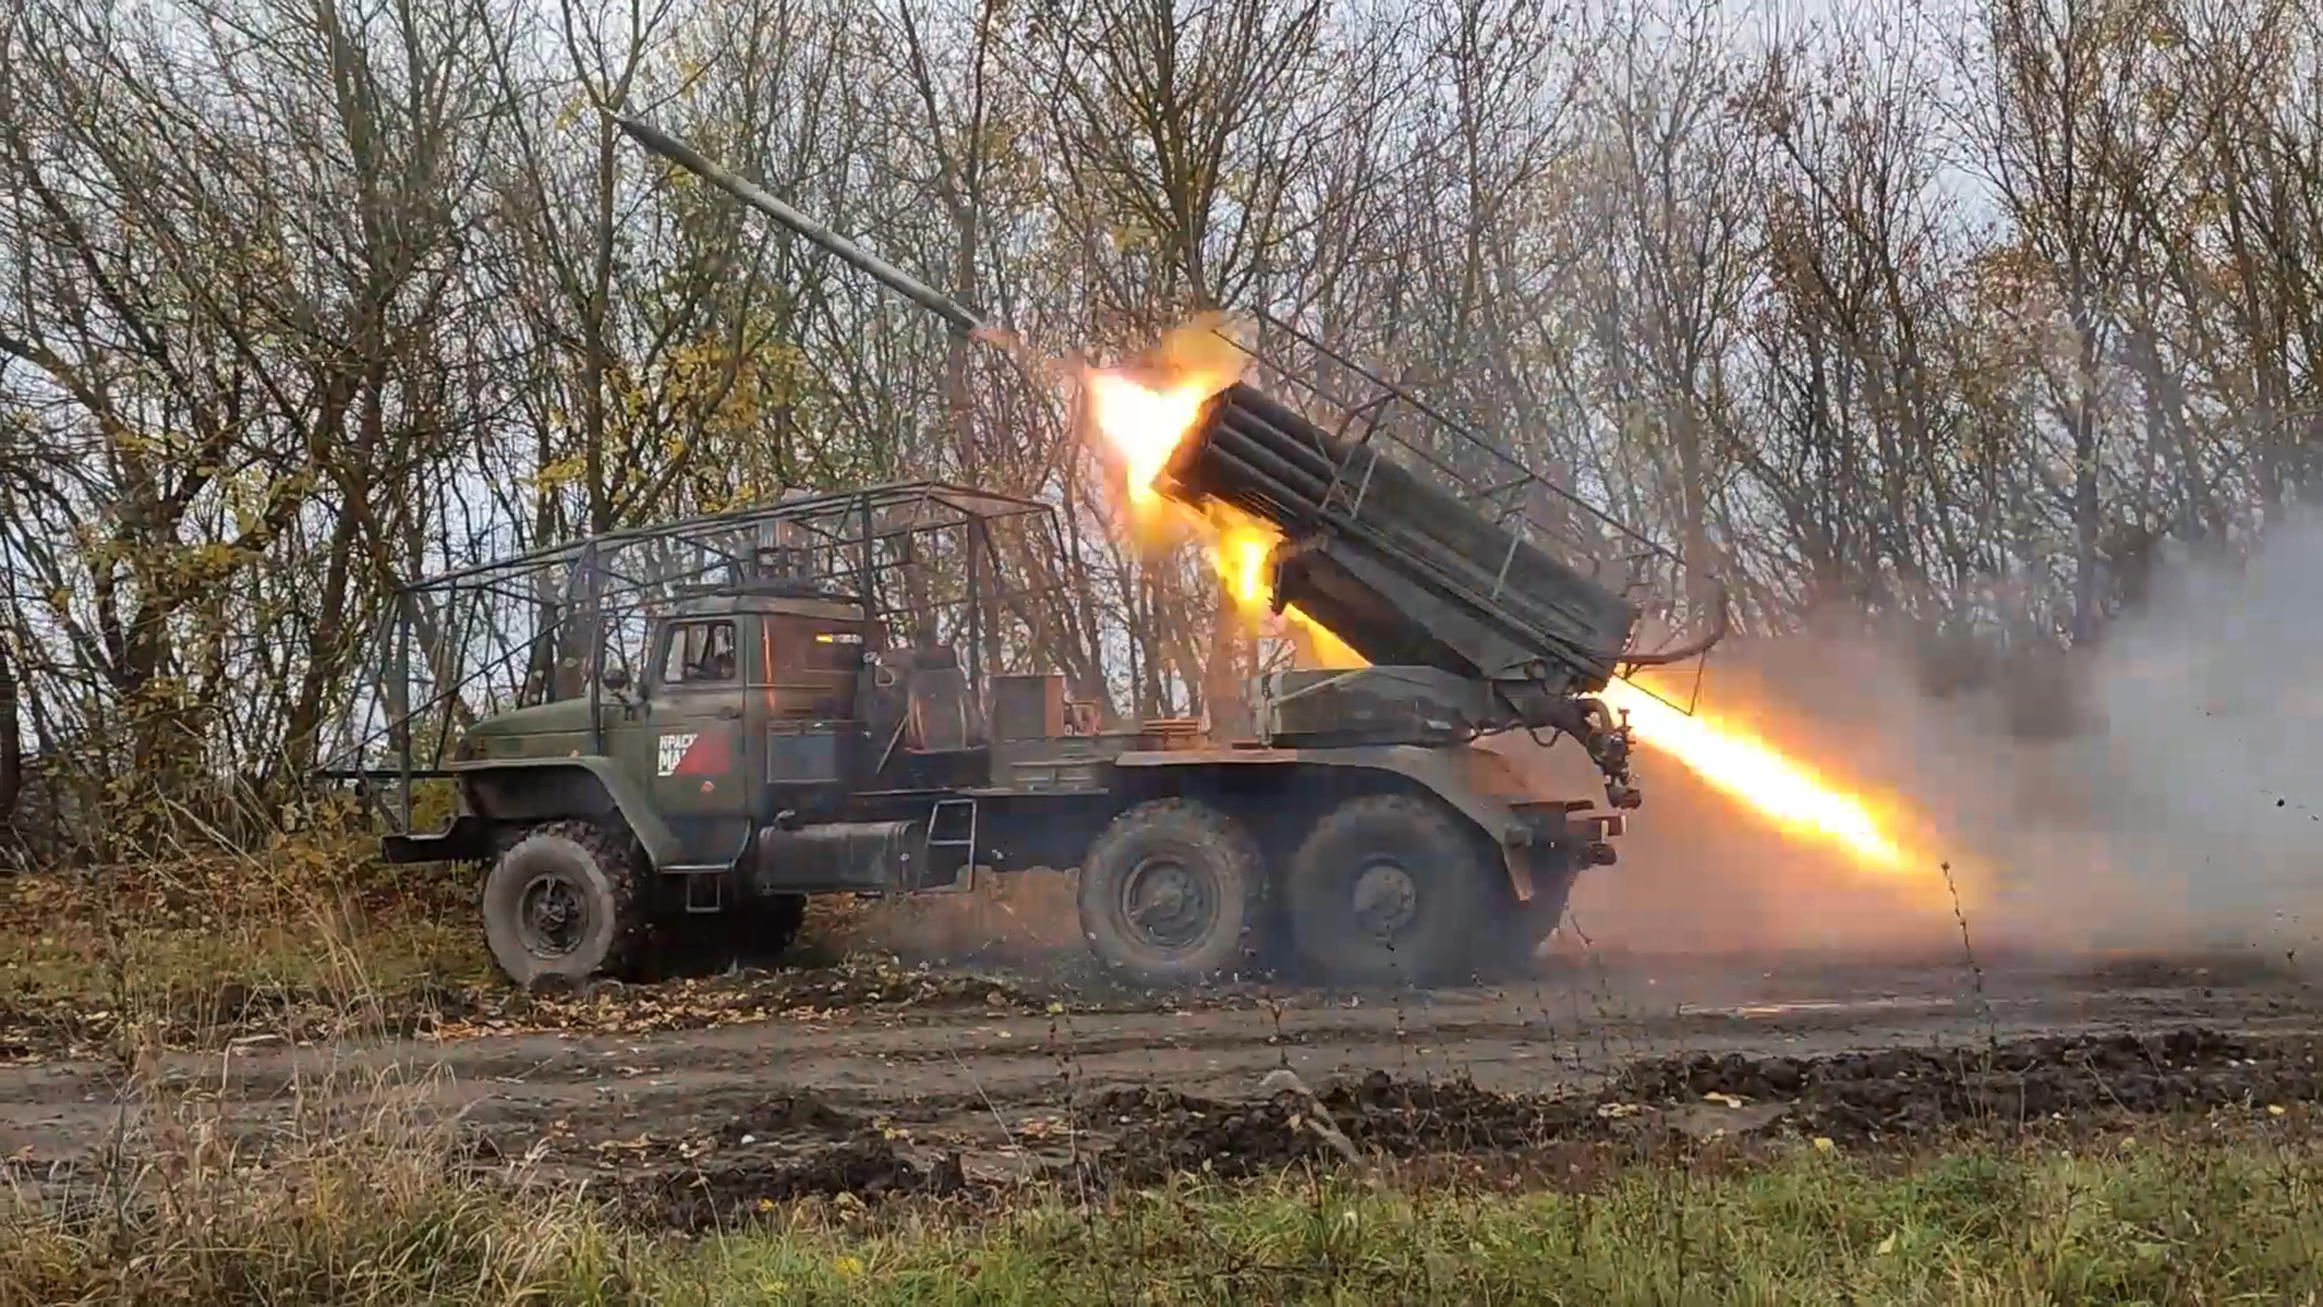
x,y
1399,569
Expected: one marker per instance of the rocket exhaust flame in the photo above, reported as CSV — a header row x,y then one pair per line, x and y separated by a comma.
x,y
1144,425
1143,411
1786,792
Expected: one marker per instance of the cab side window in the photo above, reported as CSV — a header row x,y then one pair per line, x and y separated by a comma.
x,y
811,664
700,653
812,646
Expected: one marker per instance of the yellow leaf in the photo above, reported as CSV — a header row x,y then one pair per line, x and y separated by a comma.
x,y
847,1267
1823,1144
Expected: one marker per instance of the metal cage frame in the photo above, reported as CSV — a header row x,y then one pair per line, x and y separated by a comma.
x,y
862,544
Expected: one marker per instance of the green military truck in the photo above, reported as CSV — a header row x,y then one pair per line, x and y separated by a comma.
x,y
718,718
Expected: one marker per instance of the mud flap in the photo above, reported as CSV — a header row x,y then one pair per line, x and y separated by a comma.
x,y
1554,841
467,839
1518,858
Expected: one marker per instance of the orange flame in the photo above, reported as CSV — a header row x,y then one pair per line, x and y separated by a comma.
x,y
1143,426
1142,423
1788,793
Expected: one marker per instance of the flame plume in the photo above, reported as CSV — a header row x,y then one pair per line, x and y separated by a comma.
x,y
1735,762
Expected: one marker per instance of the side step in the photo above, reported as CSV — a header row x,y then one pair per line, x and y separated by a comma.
x,y
713,874
952,826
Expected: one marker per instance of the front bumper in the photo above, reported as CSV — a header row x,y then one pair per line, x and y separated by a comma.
x,y
467,839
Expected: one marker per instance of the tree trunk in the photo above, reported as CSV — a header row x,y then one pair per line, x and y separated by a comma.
x,y
2086,518
11,743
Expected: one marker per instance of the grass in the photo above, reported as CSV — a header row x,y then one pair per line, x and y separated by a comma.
x,y
215,943
307,940
383,1209
375,1217
2162,1225
2177,1225
314,918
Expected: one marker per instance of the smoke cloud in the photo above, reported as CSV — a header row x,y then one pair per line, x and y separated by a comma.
x,y
2181,812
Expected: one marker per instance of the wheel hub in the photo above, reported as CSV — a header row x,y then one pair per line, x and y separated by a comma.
x,y
1169,905
1386,898
552,919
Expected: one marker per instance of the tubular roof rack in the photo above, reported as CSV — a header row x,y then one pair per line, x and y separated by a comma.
x,y
542,624
833,517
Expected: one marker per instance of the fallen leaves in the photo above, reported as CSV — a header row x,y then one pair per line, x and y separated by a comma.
x,y
248,1018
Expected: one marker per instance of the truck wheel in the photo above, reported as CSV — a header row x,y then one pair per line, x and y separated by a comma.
x,y
562,903
1523,926
1391,889
1169,890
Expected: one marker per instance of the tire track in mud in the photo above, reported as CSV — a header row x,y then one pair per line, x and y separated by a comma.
x,y
1000,1091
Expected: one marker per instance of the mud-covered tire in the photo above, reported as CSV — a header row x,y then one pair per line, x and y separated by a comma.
x,y
563,903
1172,893
1522,927
1393,889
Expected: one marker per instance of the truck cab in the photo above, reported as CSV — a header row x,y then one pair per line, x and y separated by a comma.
x,y
747,710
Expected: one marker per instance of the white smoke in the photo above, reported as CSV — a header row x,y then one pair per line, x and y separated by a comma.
x,y
2186,814
2195,799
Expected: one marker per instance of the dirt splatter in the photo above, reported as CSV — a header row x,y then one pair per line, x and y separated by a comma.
x,y
1859,1098
864,1170
1903,1092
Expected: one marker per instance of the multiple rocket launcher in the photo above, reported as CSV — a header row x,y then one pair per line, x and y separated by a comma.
x,y
1407,575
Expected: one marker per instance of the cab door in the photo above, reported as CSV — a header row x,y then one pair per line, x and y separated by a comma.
x,y
695,711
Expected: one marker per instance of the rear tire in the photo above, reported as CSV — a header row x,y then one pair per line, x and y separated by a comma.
x,y
1523,927
562,904
1170,891
1392,889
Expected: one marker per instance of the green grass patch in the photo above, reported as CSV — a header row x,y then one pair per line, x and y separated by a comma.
x,y
2186,1223
2194,1219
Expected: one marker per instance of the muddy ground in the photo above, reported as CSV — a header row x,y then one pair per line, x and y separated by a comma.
x,y
692,1101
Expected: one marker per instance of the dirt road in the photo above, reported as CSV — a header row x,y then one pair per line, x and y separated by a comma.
x,y
994,1078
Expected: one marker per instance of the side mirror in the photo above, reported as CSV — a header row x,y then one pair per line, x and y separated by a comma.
x,y
615,679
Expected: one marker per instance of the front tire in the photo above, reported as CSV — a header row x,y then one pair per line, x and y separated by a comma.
x,y
562,904
1169,892
1391,889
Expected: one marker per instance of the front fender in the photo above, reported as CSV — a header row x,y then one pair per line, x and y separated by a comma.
x,y
531,789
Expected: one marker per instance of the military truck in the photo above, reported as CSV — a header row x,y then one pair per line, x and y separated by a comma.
x,y
725,716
